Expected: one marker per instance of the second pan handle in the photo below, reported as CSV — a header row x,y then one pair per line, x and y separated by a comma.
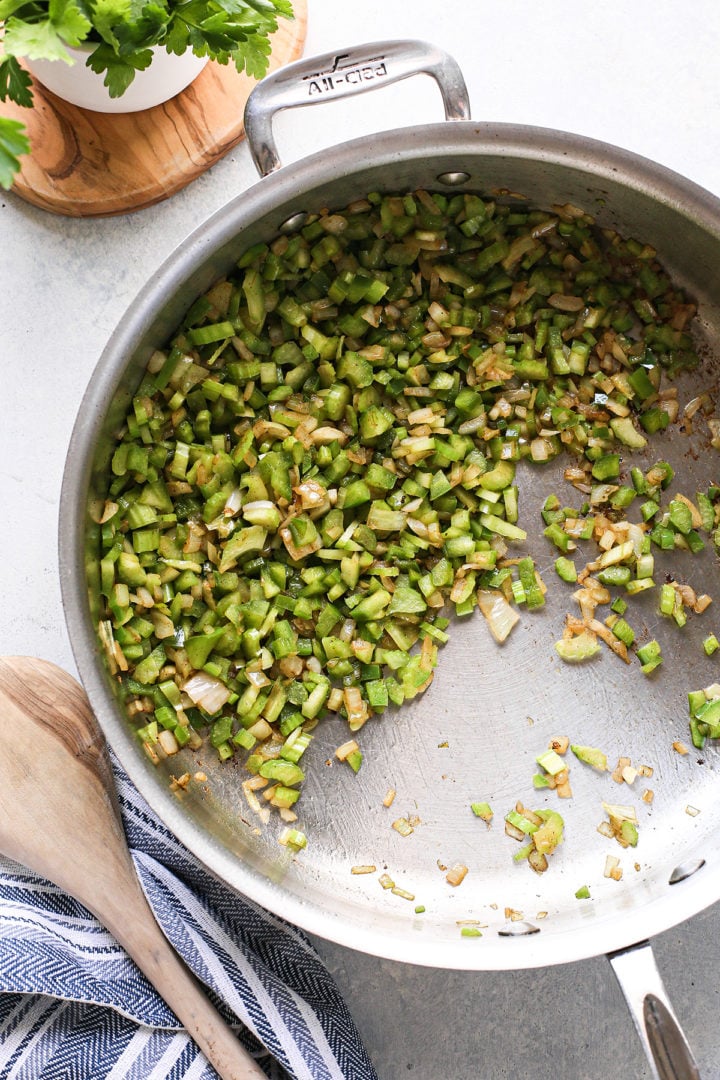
x,y
356,70
663,1040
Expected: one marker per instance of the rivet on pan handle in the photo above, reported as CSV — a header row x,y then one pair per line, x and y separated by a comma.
x,y
665,1045
339,74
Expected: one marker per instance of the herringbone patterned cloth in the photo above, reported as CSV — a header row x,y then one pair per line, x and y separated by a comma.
x,y
73,1006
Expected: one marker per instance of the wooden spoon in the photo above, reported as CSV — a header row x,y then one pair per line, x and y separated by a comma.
x,y
59,816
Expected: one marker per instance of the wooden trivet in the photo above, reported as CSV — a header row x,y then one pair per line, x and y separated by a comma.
x,y
89,164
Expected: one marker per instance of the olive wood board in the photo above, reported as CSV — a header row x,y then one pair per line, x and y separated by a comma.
x,y
91,164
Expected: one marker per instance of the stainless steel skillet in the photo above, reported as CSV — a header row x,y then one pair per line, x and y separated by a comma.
x,y
475,734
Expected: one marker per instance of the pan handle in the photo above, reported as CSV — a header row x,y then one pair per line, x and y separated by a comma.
x,y
356,70
665,1045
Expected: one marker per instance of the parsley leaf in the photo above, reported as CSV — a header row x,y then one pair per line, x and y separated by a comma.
x,y
69,21
39,40
46,38
267,8
144,31
253,55
13,141
177,39
9,7
107,14
224,30
119,70
15,83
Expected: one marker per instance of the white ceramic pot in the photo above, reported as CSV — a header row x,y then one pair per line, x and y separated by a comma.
x,y
166,76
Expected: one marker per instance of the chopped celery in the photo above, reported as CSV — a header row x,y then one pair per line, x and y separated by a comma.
x,y
626,433
711,644
650,657
577,649
534,596
566,569
286,772
550,833
293,838
591,756
520,822
623,631
680,516
629,833
551,762
326,457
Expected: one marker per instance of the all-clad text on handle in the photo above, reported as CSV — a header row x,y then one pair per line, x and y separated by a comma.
x,y
338,74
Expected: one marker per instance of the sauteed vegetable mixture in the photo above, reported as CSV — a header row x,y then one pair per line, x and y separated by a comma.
x,y
319,471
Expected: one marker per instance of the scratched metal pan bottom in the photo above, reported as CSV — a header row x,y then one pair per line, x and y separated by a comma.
x,y
474,735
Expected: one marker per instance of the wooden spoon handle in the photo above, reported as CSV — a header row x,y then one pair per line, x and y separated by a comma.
x,y
134,926
59,816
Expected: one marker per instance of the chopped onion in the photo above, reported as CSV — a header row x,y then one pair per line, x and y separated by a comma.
x,y
260,729
263,812
672,408
312,494
291,666
403,826
501,617
470,426
619,813
206,691
163,625
334,701
541,449
538,861
168,742
323,436
257,678
299,553
356,708
233,502
109,511
347,748
612,867
269,429
403,893
456,875
714,426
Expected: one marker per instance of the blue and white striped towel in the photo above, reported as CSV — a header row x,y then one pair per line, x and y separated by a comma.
x,y
73,1006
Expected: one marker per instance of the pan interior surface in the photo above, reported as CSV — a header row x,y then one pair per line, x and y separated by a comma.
x,y
475,734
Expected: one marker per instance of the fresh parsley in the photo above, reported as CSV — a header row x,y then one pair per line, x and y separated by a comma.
x,y
123,32
13,142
